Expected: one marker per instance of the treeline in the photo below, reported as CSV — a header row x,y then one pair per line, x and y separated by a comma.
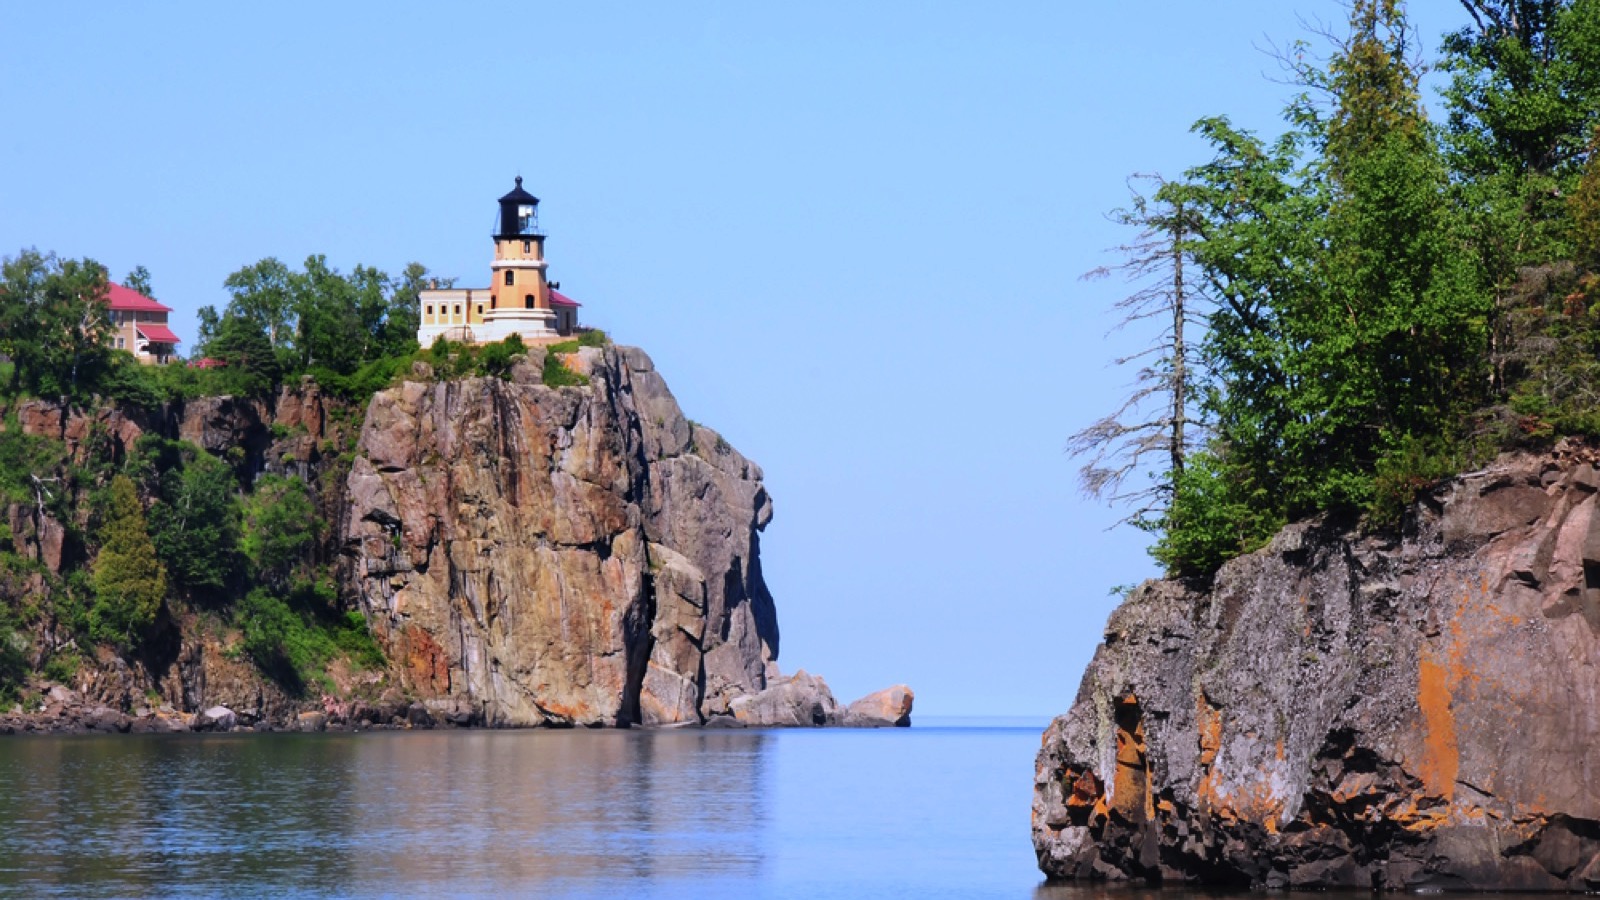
x,y
1370,301
279,324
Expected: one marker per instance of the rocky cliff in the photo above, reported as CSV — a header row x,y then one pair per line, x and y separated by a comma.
x,y
525,555
568,556
1345,710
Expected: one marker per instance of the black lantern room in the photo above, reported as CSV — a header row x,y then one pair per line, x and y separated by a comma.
x,y
519,213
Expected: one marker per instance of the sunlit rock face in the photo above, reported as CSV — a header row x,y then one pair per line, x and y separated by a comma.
x,y
574,555
1347,710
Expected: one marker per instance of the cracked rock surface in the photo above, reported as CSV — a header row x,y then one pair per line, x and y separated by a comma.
x,y
1345,710
561,556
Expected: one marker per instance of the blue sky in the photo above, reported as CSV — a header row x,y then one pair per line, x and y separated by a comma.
x,y
850,236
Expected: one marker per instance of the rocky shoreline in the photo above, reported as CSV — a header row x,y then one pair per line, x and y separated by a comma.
x,y
799,702
1415,711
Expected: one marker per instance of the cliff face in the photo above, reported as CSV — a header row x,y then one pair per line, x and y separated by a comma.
x,y
525,555
1353,711
536,555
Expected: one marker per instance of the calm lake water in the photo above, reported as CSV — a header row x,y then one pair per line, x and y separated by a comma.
x,y
937,810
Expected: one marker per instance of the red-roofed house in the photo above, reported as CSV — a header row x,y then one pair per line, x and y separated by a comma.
x,y
139,325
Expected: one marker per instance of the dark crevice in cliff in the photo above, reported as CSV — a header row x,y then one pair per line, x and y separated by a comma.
x,y
761,602
638,641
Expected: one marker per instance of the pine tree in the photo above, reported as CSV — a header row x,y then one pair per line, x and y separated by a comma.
x,y
129,581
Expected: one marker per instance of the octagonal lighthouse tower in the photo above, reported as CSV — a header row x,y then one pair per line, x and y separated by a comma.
x,y
518,292
519,299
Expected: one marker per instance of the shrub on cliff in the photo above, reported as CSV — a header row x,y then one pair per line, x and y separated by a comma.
x,y
279,526
292,638
556,373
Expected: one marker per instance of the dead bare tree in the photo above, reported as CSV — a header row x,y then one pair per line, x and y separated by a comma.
x,y
1156,426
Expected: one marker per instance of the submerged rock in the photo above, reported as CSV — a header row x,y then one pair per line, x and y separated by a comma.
x,y
1346,710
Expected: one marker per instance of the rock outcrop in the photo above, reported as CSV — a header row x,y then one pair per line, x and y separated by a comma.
x,y
1340,710
888,708
567,556
526,555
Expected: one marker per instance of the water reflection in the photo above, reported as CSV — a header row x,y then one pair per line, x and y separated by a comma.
x,y
479,811
487,810
140,814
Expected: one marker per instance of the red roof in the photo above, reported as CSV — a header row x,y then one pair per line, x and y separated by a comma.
x,y
129,299
159,334
559,299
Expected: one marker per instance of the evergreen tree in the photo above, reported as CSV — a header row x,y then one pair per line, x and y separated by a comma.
x,y
130,582
242,345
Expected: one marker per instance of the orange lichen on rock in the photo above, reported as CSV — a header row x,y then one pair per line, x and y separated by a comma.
x,y
426,667
1441,758
1255,802
1208,722
1130,792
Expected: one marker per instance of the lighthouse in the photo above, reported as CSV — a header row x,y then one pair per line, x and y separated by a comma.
x,y
518,281
518,300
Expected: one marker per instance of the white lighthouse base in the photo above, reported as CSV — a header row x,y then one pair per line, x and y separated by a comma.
x,y
532,325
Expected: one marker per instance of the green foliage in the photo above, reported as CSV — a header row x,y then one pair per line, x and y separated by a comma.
x,y
130,582
139,280
252,366
31,469
1403,474
592,337
1218,511
294,637
194,521
272,635
278,528
54,327
354,639
321,320
450,359
13,661
1584,207
61,667
371,377
494,360
1362,304
1525,86
1548,355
